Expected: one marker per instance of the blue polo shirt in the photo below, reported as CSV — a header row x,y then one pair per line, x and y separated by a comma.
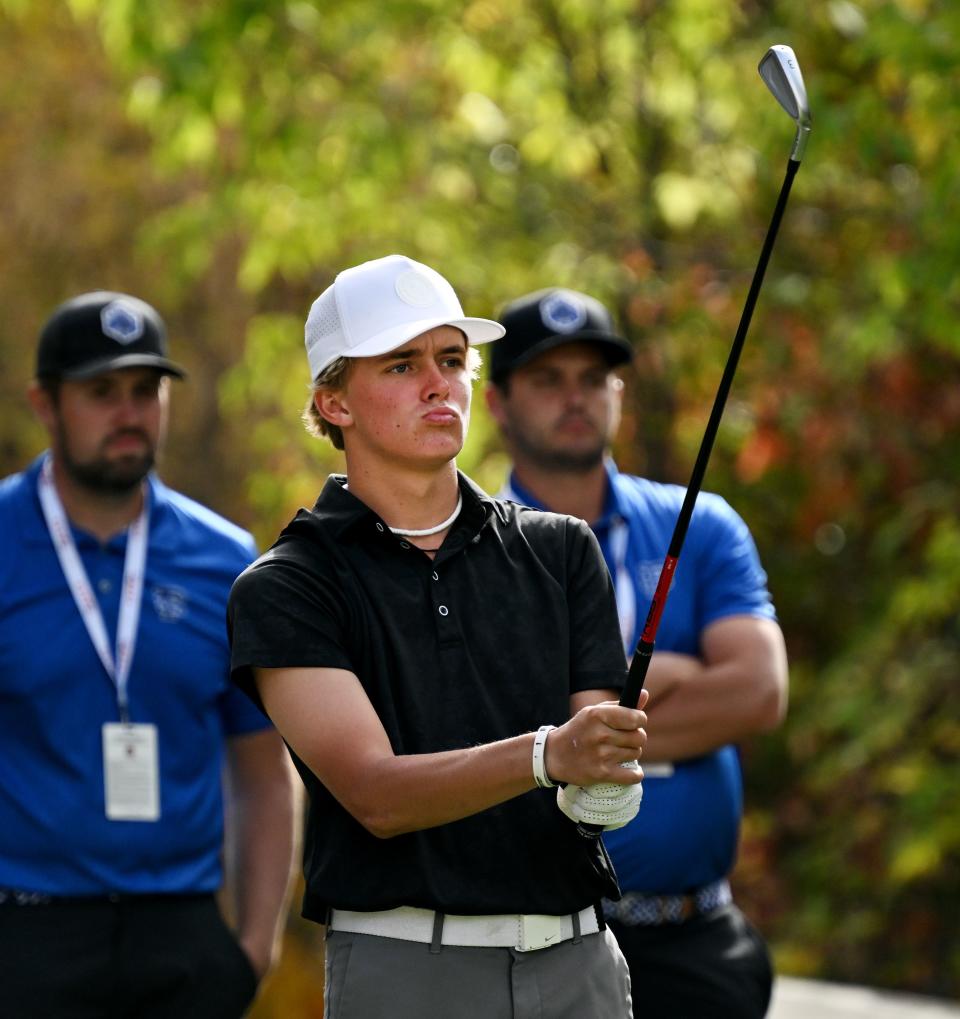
x,y
685,835
55,696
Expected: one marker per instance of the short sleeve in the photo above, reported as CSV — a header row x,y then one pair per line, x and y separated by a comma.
x,y
284,612
597,658
732,580
240,716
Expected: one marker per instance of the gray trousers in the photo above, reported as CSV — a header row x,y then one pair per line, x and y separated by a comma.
x,y
368,977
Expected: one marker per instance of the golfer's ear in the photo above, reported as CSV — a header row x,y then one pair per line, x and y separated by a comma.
x,y
332,406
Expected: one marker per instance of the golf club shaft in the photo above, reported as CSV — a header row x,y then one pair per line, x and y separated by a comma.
x,y
644,649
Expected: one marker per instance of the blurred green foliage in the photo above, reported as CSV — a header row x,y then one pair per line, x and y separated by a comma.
x,y
225,159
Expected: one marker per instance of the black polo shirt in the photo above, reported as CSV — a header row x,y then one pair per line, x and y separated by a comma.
x,y
486,641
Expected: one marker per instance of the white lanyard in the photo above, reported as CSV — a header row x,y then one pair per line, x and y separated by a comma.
x,y
134,564
622,584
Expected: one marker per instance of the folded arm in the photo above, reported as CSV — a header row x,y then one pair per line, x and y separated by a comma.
x,y
738,688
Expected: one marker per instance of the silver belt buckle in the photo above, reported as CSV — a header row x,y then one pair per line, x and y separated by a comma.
x,y
539,931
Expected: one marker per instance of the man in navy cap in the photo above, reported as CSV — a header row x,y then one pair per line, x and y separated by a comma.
x,y
719,673
118,718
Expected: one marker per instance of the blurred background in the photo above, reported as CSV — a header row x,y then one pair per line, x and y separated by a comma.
x,y
223,159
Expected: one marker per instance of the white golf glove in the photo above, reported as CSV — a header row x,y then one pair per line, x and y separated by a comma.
x,y
608,805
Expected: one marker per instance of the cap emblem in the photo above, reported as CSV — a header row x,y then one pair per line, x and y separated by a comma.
x,y
121,321
563,313
415,289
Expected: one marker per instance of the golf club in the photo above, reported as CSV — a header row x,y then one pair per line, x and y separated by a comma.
x,y
780,71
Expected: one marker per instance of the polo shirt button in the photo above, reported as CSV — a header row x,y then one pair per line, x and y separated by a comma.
x,y
435,575
404,544
104,585
443,610
380,527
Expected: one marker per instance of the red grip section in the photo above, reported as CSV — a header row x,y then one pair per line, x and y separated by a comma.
x,y
659,599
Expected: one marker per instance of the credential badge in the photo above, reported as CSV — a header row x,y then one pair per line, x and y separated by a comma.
x,y
563,312
122,321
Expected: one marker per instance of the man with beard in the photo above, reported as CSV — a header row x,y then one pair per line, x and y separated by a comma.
x,y
118,722
719,673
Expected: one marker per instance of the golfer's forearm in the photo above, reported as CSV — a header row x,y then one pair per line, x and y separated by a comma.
x,y
391,794
416,791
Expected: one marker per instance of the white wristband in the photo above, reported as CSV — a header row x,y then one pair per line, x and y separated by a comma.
x,y
539,748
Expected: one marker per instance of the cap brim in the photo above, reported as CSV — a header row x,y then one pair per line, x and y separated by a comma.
x,y
108,364
476,330
615,349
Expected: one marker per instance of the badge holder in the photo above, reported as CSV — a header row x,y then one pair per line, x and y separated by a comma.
x,y
131,772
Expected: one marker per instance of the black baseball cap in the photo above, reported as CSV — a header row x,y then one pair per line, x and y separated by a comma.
x,y
538,322
100,332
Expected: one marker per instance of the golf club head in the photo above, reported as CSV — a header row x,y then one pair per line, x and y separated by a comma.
x,y
780,70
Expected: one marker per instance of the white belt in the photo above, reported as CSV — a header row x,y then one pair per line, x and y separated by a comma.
x,y
525,932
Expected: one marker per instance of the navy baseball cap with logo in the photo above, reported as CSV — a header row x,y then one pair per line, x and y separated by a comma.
x,y
538,322
100,332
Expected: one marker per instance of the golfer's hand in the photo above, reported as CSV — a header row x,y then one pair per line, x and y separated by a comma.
x,y
590,747
606,805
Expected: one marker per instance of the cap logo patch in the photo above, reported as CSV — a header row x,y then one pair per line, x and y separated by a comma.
x,y
563,313
121,321
415,289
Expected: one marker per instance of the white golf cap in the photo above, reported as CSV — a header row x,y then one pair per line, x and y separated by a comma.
x,y
377,306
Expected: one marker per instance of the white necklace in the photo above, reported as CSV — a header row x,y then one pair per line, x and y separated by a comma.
x,y
427,531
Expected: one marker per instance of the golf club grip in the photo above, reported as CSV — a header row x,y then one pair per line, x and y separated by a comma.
x,y
628,699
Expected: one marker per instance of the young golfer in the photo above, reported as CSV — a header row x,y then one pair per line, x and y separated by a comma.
x,y
437,660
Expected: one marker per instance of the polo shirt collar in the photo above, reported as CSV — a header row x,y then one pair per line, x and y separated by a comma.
x,y
614,507
613,503
33,527
165,531
346,515
30,523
